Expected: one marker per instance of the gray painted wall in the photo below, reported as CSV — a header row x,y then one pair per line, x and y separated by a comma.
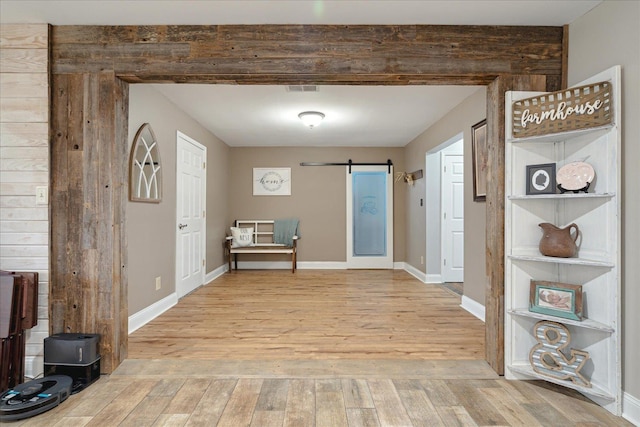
x,y
318,195
460,119
151,227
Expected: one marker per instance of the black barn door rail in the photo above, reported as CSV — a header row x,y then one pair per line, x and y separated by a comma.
x,y
349,163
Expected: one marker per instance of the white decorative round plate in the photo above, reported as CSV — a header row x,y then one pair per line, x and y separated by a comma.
x,y
575,175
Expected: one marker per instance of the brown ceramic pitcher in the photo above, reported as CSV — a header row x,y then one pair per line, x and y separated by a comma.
x,y
559,242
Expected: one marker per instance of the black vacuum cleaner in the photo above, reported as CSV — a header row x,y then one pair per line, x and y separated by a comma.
x,y
34,397
71,363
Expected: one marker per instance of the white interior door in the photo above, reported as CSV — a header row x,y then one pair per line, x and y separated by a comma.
x,y
190,214
452,217
370,217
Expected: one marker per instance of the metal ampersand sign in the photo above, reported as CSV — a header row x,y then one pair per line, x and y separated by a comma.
x,y
547,357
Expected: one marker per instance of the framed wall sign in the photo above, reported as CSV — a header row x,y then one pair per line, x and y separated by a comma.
x,y
541,179
271,181
479,154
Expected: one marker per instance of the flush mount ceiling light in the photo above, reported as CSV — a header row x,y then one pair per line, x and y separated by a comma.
x,y
311,118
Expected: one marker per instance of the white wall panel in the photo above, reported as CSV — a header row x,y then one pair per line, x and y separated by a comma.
x,y
24,165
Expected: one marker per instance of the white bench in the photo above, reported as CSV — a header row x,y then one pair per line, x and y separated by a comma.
x,y
263,238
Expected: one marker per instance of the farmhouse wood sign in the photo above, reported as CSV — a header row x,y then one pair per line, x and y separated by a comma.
x,y
576,108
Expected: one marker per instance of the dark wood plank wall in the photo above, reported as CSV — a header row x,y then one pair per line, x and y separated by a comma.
x,y
494,293
91,64
88,195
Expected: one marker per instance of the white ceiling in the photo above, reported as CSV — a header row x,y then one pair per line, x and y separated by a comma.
x,y
218,12
267,115
374,116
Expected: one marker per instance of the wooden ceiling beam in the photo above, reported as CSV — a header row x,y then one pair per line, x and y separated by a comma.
x,y
323,54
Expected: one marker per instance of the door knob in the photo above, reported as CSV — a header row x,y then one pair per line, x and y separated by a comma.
x,y
181,226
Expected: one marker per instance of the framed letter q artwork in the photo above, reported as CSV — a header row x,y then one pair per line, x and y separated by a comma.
x,y
541,179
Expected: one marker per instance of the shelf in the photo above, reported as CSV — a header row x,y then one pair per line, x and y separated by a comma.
x,y
563,196
593,390
556,260
585,323
597,264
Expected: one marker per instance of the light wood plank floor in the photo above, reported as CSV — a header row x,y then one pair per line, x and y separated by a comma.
x,y
318,348
203,399
314,314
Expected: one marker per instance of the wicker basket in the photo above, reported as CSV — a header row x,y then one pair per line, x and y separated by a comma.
x,y
552,108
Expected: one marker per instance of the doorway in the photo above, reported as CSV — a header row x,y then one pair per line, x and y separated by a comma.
x,y
445,212
452,214
191,181
370,217
102,91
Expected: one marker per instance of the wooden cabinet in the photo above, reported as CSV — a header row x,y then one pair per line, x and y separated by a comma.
x,y
597,264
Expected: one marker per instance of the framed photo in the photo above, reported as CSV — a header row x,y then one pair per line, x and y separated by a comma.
x,y
479,153
271,181
556,299
541,179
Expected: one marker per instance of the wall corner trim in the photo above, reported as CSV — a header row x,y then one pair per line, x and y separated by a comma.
x,y
631,409
434,278
146,315
473,307
213,275
415,272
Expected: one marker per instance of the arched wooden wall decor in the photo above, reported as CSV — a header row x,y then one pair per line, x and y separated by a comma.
x,y
145,167
91,69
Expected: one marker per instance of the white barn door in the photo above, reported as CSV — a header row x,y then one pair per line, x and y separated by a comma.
x,y
370,217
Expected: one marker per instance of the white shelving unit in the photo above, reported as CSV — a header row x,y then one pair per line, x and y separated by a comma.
x,y
597,266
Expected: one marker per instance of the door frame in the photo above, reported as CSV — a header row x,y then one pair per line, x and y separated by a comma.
x,y
444,241
77,85
203,188
433,197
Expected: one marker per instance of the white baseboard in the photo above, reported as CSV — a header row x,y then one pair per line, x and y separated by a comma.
x,y
473,307
631,408
286,265
304,265
321,265
146,315
415,272
266,265
434,278
213,275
